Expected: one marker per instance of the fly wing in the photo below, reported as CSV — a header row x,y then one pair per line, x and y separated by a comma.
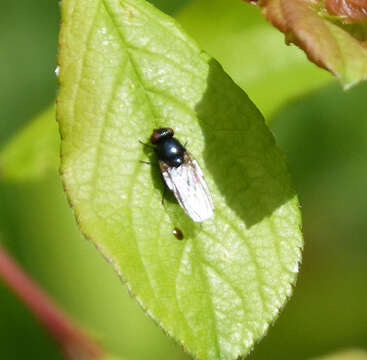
x,y
190,189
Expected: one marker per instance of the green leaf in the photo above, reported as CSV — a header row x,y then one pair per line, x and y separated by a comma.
x,y
125,69
329,41
346,355
110,357
252,52
168,6
32,152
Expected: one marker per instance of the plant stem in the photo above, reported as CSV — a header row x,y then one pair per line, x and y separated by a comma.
x,y
73,341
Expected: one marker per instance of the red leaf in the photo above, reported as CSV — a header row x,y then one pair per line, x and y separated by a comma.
x,y
349,11
335,45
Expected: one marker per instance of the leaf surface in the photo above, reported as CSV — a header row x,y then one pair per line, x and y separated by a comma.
x,y
125,69
33,151
354,354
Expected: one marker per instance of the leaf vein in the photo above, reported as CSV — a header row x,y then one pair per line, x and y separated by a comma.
x,y
133,64
166,58
83,60
116,84
205,280
169,29
176,295
253,259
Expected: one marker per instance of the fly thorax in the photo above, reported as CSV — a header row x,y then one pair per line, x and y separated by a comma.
x,y
171,152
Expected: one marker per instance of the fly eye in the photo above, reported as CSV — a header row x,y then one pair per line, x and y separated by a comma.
x,y
155,137
161,134
169,132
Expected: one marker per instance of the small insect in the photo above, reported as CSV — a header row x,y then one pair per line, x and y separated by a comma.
x,y
182,175
177,233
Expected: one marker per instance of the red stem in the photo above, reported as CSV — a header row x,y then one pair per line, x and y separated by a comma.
x,y
74,342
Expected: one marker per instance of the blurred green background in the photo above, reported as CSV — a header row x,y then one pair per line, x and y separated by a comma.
x,y
322,130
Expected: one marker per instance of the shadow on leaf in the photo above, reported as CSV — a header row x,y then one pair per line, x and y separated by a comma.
x,y
240,153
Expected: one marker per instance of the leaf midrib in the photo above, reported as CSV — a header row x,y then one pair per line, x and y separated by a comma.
x,y
131,192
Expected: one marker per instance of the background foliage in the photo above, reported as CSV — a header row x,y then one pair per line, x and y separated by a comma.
x,y
322,130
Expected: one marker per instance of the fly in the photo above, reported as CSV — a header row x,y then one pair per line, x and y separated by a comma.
x,y
182,175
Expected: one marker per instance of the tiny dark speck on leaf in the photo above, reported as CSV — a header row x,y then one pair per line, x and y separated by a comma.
x,y
177,233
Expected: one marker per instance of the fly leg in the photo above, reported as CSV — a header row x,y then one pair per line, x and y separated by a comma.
x,y
164,195
147,145
146,162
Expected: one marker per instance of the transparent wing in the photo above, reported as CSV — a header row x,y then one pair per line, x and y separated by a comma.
x,y
190,189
